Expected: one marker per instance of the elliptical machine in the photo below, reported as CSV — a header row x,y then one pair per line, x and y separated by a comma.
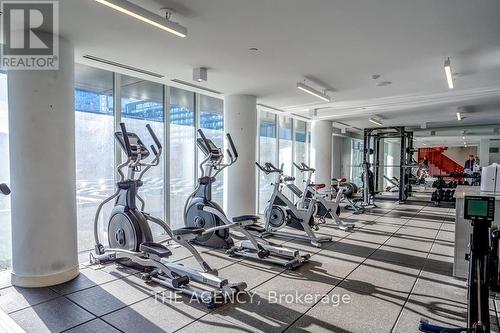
x,y
484,273
324,208
201,212
130,238
281,212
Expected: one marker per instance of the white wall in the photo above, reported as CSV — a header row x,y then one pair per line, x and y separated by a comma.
x,y
460,154
495,157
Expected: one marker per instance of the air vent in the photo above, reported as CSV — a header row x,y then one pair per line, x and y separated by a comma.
x,y
300,116
117,64
189,84
269,107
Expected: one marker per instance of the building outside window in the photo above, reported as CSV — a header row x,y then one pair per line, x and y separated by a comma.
x,y
94,136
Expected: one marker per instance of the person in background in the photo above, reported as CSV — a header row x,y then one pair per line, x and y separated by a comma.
x,y
469,164
425,162
476,161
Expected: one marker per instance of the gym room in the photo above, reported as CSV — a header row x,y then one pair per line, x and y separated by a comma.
x,y
250,166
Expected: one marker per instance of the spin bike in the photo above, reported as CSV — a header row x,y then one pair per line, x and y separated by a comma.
x,y
483,267
281,212
324,208
130,238
201,212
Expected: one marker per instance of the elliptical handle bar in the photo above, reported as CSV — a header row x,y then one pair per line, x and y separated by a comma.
x,y
128,149
205,140
231,144
153,135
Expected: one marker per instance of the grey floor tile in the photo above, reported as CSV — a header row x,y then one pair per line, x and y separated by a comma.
x,y
253,273
112,296
380,277
93,326
162,314
214,324
351,311
87,278
52,316
15,298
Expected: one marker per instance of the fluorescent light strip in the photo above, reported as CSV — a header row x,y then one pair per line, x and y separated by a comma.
x,y
459,116
447,71
375,121
140,13
313,92
130,68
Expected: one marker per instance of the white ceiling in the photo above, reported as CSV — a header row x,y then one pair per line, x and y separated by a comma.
x,y
337,44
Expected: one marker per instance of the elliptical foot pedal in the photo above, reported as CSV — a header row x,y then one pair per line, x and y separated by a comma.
x,y
155,249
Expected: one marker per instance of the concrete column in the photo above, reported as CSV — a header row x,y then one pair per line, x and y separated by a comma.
x,y
240,120
42,164
321,150
337,145
484,152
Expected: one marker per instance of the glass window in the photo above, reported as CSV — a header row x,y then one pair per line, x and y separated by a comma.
x,y
356,161
94,130
301,151
182,145
267,153
212,124
141,104
5,234
285,149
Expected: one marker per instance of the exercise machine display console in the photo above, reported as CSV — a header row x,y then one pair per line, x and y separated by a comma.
x,y
479,208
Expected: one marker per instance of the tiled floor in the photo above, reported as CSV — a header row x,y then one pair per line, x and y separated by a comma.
x,y
392,270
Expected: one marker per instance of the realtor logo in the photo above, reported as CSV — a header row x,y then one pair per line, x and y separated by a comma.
x,y
30,35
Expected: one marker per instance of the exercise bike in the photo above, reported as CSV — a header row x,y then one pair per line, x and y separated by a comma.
x,y
281,212
130,238
483,274
324,208
201,212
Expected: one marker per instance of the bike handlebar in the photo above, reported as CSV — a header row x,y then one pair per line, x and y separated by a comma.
x,y
269,168
128,149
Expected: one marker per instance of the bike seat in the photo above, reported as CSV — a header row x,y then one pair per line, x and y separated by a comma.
x,y
242,218
319,186
156,249
339,180
188,231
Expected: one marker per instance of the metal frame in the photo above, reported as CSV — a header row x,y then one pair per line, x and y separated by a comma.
x,y
371,140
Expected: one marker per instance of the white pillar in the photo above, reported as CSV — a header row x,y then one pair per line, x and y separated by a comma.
x,y
484,152
337,145
321,150
240,120
42,164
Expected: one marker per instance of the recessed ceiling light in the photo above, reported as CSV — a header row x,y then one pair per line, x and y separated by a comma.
x,y
383,83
